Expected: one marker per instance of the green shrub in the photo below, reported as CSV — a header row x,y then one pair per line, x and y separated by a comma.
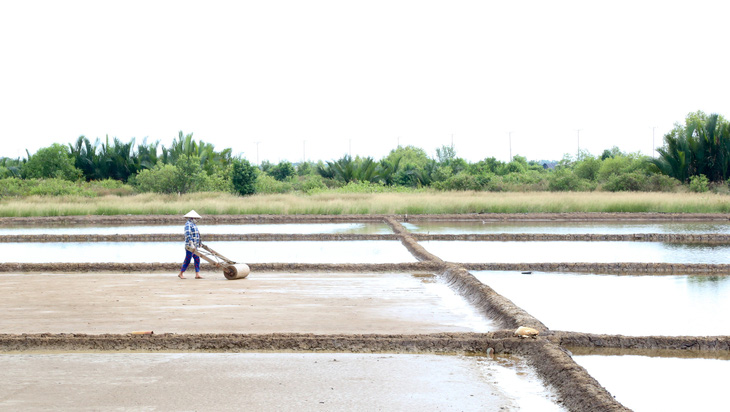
x,y
51,162
462,181
160,179
627,182
310,184
662,183
587,168
185,176
565,180
243,177
699,184
109,187
373,187
15,187
282,171
266,184
218,181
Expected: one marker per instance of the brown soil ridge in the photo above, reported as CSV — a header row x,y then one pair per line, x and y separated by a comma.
x,y
171,237
500,342
684,343
479,217
179,219
569,217
14,267
578,237
492,304
633,269
414,237
621,268
577,389
407,239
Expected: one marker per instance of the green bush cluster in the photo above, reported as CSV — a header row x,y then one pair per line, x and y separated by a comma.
x,y
695,157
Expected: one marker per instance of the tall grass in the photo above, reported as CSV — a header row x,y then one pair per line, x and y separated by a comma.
x,y
328,203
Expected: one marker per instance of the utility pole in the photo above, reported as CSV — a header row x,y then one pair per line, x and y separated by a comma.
x,y
257,153
578,130
304,151
653,145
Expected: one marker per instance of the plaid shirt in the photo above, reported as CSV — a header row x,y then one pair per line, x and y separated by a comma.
x,y
192,236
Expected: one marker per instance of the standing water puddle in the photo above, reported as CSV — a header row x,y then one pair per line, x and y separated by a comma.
x,y
371,251
569,227
645,383
591,252
274,228
629,305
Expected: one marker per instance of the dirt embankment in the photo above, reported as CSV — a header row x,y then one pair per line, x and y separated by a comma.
x,y
417,267
628,268
569,217
412,238
500,342
161,237
94,220
491,303
649,269
407,239
577,389
684,343
711,238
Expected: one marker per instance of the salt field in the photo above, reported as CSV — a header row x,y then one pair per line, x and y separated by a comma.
x,y
671,305
577,251
369,251
645,383
566,227
269,381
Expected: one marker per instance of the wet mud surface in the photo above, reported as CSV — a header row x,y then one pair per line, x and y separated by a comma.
x,y
281,381
576,389
337,302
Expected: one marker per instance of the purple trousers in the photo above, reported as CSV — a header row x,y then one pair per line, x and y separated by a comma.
x,y
188,255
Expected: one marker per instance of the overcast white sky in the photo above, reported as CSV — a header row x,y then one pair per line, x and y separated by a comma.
x,y
320,79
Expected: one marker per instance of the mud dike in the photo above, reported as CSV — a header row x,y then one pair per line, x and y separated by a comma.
x,y
576,389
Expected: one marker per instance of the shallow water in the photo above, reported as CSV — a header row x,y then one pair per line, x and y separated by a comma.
x,y
569,227
628,305
661,384
373,251
560,251
286,228
269,381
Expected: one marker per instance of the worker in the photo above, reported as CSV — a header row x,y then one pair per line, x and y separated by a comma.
x,y
192,241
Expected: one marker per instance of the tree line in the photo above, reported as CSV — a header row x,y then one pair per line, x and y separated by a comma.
x,y
695,155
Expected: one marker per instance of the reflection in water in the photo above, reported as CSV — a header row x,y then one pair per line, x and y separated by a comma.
x,y
661,384
367,251
595,252
519,383
456,227
627,305
276,228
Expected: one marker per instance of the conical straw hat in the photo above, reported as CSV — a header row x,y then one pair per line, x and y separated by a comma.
x,y
193,214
